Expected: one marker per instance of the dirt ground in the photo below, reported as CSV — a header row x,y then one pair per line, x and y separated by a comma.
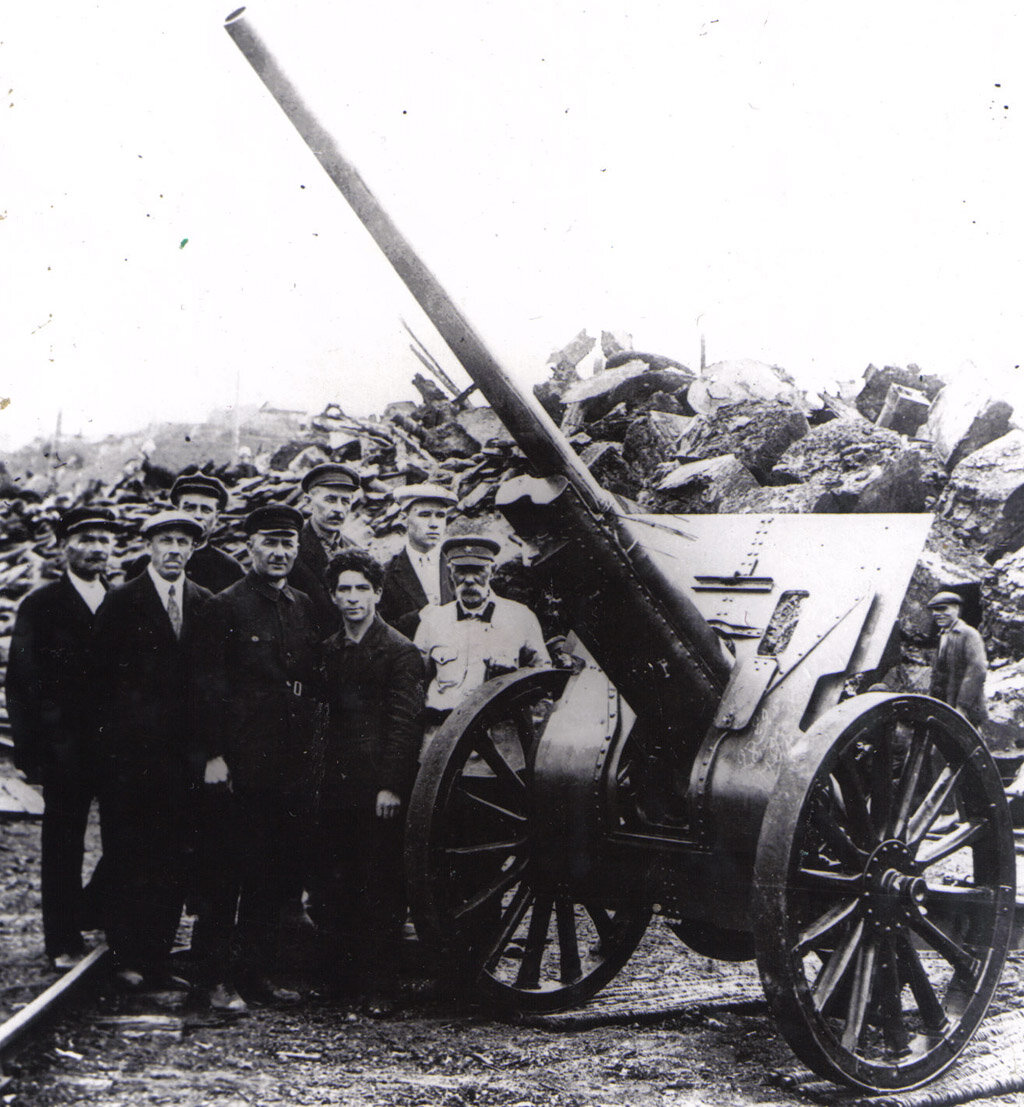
x,y
126,1051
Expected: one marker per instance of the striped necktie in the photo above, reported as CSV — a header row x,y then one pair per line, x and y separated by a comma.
x,y
174,611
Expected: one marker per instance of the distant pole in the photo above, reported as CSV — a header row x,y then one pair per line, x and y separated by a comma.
x,y
55,450
703,352
236,435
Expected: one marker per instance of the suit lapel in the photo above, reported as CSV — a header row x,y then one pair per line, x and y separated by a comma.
x,y
155,611
410,580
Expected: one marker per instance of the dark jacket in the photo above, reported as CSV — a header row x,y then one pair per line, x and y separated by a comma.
x,y
309,576
403,598
958,676
258,685
209,567
50,697
375,690
143,683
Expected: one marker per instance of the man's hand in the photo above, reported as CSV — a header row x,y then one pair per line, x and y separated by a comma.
x,y
216,771
388,804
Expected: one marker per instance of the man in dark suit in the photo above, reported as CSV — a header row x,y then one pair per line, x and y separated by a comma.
x,y
958,675
374,680
261,724
203,498
49,695
415,577
330,489
147,746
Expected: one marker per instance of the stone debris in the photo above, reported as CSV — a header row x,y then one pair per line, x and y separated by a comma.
x,y
905,410
878,384
966,416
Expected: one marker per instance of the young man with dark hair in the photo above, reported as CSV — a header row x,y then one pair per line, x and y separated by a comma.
x,y
374,685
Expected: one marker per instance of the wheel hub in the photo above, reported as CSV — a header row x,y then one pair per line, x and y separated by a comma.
x,y
892,892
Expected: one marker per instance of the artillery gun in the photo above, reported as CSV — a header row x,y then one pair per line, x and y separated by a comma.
x,y
705,760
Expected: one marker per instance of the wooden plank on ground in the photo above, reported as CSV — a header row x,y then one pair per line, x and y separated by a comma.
x,y
19,800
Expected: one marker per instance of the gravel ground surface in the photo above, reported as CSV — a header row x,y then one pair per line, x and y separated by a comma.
x,y
116,1050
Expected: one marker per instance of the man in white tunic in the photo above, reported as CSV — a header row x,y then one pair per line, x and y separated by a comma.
x,y
476,636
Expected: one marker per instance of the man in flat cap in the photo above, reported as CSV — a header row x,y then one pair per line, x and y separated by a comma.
x,y
261,722
50,698
415,577
478,635
330,489
958,675
144,630
203,497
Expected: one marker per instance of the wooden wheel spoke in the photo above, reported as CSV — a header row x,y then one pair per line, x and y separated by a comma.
x,y
834,917
510,920
603,922
836,837
909,782
860,995
487,849
945,946
509,780
490,805
881,784
536,942
855,801
836,967
568,943
942,847
827,880
494,890
912,971
926,814
890,1004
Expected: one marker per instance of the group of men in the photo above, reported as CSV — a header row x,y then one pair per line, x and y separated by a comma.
x,y
252,734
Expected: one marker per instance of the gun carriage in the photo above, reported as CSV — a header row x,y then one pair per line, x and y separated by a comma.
x,y
705,760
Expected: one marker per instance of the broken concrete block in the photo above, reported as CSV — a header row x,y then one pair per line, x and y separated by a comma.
x,y
1002,596
984,499
899,487
630,383
904,411
563,362
605,461
652,439
965,416
729,382
758,432
702,486
1004,696
481,424
877,382
836,451
789,499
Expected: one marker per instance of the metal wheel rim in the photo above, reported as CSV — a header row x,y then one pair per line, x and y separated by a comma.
x,y
880,970
543,951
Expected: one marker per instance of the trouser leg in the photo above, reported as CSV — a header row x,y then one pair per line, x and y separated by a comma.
x,y
65,816
218,881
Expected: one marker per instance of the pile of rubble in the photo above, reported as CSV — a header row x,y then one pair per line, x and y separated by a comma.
x,y
736,436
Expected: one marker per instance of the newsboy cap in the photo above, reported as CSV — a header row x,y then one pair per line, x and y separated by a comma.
x,y
940,599
333,474
171,520
273,517
84,518
470,549
408,495
199,483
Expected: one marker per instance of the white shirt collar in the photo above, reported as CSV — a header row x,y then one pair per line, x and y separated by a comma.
x,y
163,587
92,591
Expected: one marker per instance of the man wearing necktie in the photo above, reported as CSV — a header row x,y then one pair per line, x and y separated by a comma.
x,y
330,489
49,696
415,577
478,635
147,746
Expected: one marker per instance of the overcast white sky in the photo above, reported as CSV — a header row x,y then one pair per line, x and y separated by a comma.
x,y
812,184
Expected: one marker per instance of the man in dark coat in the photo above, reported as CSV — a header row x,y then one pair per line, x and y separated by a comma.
x,y
203,498
330,489
261,713
49,700
147,746
415,576
375,685
958,675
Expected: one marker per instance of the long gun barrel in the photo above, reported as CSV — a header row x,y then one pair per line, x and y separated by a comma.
x,y
657,647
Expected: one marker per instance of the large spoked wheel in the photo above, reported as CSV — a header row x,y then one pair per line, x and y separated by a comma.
x,y
470,870
884,891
